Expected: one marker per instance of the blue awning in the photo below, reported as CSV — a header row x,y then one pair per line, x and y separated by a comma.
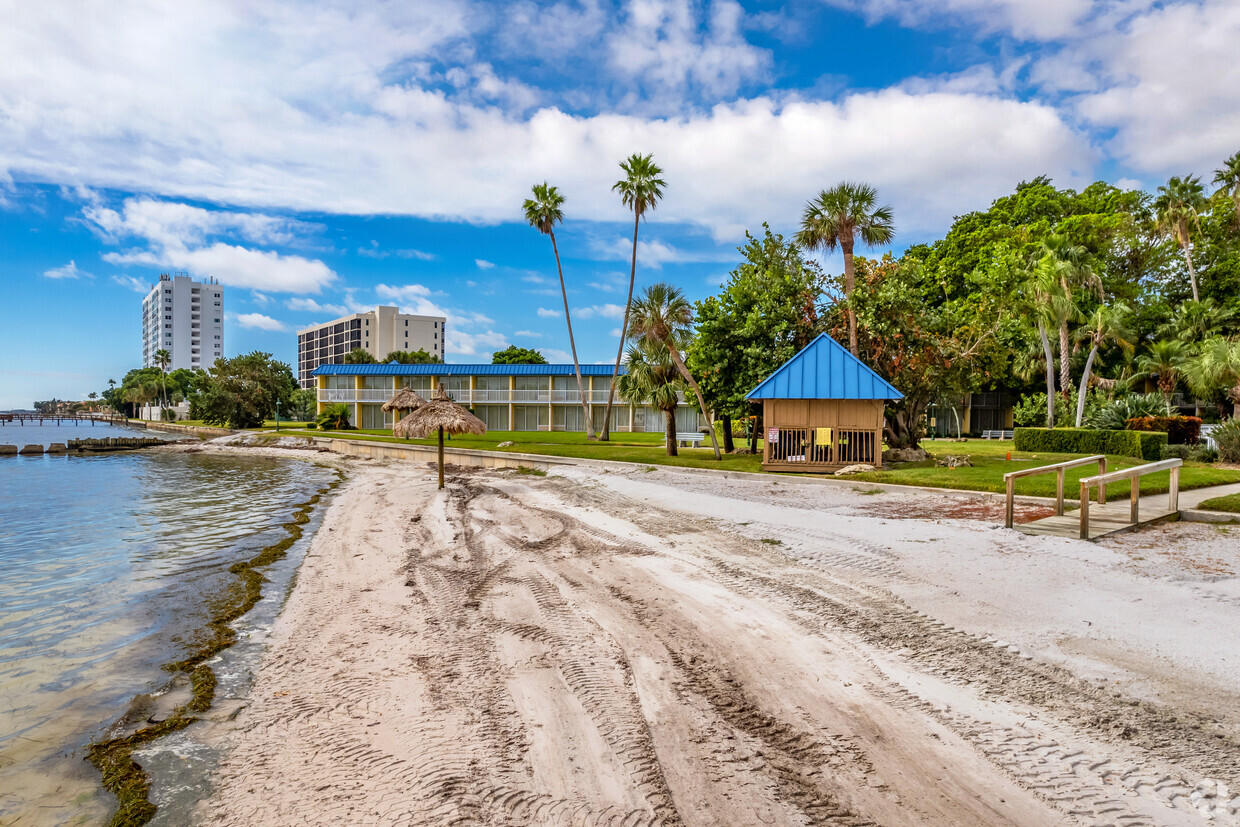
x,y
824,369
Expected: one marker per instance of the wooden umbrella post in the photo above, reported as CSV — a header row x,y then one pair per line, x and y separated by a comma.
x,y
441,457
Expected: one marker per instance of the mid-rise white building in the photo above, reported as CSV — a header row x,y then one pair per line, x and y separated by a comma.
x,y
185,318
379,332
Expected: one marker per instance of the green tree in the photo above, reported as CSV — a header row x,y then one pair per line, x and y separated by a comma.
x,y
1179,205
1165,363
640,190
1070,266
163,359
241,392
513,355
1194,322
1228,179
335,417
662,314
360,356
302,404
840,217
412,357
652,378
766,311
1216,367
543,212
1107,325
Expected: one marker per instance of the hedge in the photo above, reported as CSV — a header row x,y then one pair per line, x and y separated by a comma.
x,y
1180,430
1147,445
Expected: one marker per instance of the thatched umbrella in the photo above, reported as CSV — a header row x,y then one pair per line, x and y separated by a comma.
x,y
440,414
404,400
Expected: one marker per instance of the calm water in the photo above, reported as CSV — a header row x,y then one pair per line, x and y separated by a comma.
x,y
104,561
44,435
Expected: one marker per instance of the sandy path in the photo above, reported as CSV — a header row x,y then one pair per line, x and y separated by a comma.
x,y
571,650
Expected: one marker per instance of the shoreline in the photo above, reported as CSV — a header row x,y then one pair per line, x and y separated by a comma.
x,y
624,645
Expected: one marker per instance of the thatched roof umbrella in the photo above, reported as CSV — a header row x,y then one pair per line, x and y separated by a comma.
x,y
404,400
440,414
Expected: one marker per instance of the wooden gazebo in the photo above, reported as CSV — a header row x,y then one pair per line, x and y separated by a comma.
x,y
822,410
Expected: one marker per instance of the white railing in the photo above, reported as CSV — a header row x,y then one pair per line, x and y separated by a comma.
x,y
468,397
487,395
353,395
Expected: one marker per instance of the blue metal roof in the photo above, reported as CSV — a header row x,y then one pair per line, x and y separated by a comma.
x,y
824,369
393,369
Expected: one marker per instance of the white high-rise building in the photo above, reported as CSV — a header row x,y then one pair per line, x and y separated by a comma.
x,y
379,332
185,318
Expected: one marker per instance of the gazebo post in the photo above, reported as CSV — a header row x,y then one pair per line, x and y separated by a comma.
x,y
441,456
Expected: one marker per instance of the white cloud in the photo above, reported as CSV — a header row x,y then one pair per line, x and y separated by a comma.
x,y
603,311
412,298
483,264
257,321
375,251
614,333
462,343
261,299
528,334
178,236
556,356
534,278
548,313
66,271
261,120
312,306
1026,19
652,253
131,283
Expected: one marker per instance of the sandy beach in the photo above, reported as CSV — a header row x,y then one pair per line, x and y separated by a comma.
x,y
663,647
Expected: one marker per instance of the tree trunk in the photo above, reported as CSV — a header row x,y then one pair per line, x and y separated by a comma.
x,y
900,424
850,281
624,333
670,436
572,343
1065,360
755,427
684,371
1192,274
1080,396
1050,375
728,445
441,457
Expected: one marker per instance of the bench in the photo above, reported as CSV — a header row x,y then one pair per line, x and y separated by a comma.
x,y
694,439
998,435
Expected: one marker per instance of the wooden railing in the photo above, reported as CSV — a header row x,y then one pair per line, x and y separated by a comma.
x,y
1060,469
1134,494
844,446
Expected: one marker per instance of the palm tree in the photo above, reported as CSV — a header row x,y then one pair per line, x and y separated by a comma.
x,y
1228,177
1178,206
1195,322
360,356
162,360
543,212
1070,263
1216,366
1106,325
640,190
663,314
1165,362
839,217
653,379
1050,306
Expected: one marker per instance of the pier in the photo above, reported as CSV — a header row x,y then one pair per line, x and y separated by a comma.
x,y
61,419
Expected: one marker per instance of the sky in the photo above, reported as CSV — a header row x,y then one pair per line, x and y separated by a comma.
x,y
319,158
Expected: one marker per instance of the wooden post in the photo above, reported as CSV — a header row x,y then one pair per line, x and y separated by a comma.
x,y
441,457
1009,514
1134,498
1102,486
1173,495
1059,478
1084,511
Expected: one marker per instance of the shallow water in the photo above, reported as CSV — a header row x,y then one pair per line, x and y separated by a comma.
x,y
46,434
104,563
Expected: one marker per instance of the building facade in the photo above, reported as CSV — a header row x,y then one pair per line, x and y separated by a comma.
x,y
378,332
505,397
185,318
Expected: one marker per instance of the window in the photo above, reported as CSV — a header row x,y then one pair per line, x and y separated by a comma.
x,y
168,327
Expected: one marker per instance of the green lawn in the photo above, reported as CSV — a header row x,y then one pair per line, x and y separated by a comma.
x,y
1230,503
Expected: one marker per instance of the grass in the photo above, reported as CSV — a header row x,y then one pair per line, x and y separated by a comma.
x,y
1230,504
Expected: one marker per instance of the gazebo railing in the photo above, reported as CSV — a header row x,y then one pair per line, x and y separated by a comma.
x,y
823,446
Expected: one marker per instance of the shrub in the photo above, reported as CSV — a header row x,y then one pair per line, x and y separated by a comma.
x,y
1180,430
1175,452
1202,453
1227,437
1143,444
336,417
1114,416
1030,411
312,425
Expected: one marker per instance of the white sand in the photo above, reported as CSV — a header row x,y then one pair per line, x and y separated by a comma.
x,y
624,648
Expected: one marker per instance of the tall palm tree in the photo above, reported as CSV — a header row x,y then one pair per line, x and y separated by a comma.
x,y
1165,362
1050,306
1216,366
653,379
1070,264
839,217
1228,177
640,190
1194,322
1178,206
1106,325
163,359
662,314
543,212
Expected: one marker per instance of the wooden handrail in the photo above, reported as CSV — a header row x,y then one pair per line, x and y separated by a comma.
x,y
1134,494
1060,469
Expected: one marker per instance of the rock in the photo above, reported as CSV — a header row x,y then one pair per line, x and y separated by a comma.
x,y
954,461
506,444
9,450
56,448
905,455
31,449
854,469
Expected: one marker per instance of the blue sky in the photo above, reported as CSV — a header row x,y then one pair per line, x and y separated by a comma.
x,y
319,157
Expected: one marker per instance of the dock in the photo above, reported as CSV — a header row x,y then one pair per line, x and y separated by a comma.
x,y
1104,520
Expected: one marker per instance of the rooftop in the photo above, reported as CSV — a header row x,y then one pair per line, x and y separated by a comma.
x,y
824,369
393,369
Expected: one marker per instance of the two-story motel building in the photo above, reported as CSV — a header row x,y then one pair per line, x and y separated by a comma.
x,y
505,397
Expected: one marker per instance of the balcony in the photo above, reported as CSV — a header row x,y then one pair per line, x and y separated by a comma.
x,y
477,397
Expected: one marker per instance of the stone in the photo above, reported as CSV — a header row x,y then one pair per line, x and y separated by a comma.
x,y
56,448
8,450
905,455
506,444
954,461
854,469
32,449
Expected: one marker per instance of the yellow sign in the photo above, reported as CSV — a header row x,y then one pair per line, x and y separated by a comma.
x,y
822,436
